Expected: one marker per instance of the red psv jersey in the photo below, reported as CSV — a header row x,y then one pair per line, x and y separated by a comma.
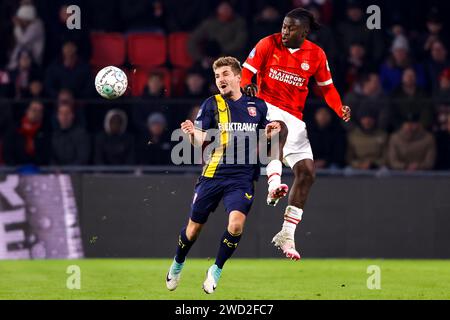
x,y
283,73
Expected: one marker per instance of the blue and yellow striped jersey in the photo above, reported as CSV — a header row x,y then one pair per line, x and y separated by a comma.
x,y
237,125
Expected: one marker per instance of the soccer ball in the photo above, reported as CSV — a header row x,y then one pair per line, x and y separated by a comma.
x,y
111,82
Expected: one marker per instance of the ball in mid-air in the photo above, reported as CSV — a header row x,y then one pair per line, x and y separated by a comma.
x,y
111,82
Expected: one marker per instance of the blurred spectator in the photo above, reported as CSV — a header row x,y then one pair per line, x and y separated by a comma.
x,y
29,143
434,32
324,8
265,23
323,37
35,89
397,29
443,147
29,35
327,140
154,148
7,10
24,73
5,84
224,34
391,71
193,113
59,34
354,30
153,91
65,96
69,72
114,146
355,66
155,86
411,148
366,144
442,101
142,15
195,86
436,64
184,15
371,98
103,15
6,122
409,99
70,143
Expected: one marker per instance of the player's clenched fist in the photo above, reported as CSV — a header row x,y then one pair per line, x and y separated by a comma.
x,y
346,113
251,90
187,127
272,128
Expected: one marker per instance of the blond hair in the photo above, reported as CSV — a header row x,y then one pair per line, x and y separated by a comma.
x,y
228,62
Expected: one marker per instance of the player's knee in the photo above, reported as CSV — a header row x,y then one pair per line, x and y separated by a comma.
x,y
309,174
305,173
235,228
193,231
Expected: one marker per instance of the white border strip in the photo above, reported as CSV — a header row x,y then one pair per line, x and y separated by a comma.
x,y
249,67
325,83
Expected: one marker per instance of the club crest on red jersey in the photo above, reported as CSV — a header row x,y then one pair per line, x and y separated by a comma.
x,y
252,53
252,111
305,66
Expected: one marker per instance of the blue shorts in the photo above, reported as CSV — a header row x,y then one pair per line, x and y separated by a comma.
x,y
237,194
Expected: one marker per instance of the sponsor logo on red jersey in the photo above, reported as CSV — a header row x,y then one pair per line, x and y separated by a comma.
x,y
286,77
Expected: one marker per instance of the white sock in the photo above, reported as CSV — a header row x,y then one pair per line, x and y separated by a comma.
x,y
274,169
292,216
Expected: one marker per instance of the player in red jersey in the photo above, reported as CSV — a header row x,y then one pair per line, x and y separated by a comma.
x,y
284,63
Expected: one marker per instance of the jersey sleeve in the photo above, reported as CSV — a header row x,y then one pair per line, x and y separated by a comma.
x,y
258,55
323,73
325,83
205,118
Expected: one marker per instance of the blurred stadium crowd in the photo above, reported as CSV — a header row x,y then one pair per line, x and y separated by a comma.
x,y
396,79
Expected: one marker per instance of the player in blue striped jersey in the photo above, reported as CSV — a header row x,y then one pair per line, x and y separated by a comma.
x,y
227,176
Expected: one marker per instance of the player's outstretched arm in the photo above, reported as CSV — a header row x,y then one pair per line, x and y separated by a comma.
x,y
196,137
333,100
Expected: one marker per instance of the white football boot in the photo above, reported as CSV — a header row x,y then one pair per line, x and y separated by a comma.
x,y
285,241
174,275
212,278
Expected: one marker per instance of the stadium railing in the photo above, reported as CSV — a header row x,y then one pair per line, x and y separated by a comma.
x,y
196,170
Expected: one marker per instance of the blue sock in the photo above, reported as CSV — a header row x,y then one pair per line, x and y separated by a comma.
x,y
228,245
183,246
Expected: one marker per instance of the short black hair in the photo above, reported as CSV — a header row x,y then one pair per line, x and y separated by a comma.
x,y
304,15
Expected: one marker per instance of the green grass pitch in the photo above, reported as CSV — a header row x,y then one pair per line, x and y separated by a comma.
x,y
259,279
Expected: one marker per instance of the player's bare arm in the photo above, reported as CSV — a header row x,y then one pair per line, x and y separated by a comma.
x,y
196,136
277,129
272,129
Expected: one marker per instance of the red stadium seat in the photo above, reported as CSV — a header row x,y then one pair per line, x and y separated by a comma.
x,y
147,50
178,50
107,49
138,78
